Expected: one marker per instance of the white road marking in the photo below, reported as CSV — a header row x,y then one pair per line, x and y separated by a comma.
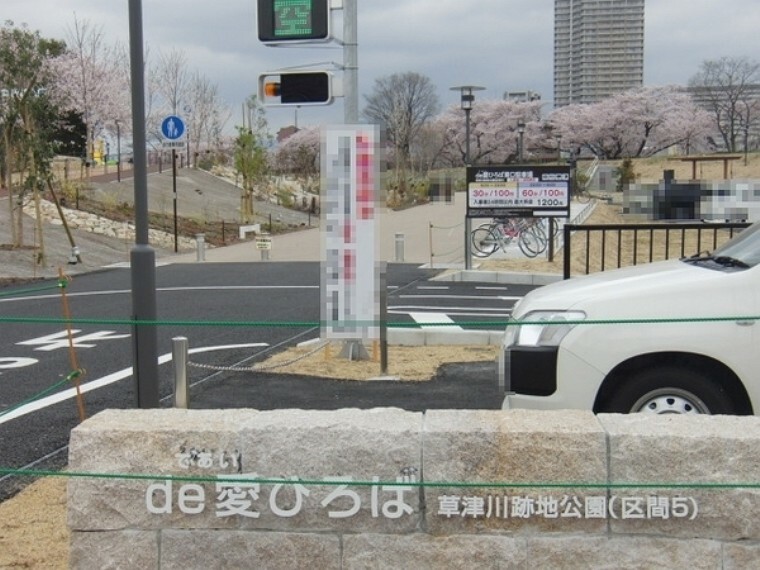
x,y
9,362
472,297
437,319
61,340
107,380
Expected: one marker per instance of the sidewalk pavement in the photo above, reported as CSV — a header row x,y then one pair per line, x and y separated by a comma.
x,y
412,225
432,235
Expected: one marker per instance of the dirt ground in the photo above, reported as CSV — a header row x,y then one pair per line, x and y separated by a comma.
x,y
33,532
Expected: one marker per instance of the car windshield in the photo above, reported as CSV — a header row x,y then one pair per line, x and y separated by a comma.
x,y
744,249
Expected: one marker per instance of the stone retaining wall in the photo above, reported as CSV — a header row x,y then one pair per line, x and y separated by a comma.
x,y
92,223
387,488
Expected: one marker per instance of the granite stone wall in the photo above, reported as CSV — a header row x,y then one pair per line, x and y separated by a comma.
x,y
386,488
94,224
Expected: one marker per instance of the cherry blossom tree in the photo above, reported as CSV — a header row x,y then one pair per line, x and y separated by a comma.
x,y
299,153
636,123
92,78
494,135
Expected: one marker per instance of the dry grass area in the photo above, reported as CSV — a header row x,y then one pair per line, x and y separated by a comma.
x,y
407,363
33,531
617,248
649,170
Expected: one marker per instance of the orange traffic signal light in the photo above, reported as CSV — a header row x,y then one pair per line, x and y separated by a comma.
x,y
296,88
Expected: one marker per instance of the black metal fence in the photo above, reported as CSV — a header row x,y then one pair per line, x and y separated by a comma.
x,y
592,248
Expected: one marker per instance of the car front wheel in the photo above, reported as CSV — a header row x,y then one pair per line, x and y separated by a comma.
x,y
670,390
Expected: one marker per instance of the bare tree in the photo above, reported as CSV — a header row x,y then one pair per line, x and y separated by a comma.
x,y
251,153
174,78
402,103
729,88
206,113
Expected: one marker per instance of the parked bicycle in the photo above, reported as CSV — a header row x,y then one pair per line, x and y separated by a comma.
x,y
500,232
579,190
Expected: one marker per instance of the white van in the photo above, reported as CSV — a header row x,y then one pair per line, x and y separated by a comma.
x,y
679,336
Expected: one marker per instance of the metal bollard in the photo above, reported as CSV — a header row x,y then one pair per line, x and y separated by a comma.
x,y
179,359
200,247
399,248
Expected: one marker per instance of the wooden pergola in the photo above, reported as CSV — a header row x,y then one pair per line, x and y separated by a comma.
x,y
726,158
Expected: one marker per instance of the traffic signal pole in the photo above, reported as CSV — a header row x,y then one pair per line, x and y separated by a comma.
x,y
350,63
142,255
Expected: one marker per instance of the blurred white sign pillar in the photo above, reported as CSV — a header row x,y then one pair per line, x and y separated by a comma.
x,y
350,214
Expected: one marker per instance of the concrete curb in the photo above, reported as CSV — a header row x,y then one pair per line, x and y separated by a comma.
x,y
513,278
454,336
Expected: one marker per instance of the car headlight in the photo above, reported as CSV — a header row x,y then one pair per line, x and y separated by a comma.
x,y
542,328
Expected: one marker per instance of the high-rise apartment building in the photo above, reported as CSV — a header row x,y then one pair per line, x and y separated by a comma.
x,y
598,49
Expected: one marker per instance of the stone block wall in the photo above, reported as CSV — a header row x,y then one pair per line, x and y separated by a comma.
x,y
387,488
94,224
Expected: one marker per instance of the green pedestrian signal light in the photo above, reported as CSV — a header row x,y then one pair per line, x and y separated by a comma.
x,y
293,21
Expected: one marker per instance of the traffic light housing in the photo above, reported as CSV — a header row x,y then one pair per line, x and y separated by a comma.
x,y
296,88
293,21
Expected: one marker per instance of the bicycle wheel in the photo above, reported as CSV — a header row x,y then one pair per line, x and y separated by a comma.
x,y
530,243
583,196
484,242
539,228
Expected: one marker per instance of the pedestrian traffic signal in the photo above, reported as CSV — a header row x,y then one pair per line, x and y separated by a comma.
x,y
296,88
293,21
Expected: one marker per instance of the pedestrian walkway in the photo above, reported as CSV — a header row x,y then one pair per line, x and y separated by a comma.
x,y
405,235
432,234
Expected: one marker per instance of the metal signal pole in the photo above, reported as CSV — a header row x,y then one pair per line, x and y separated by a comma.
x,y
350,63
142,255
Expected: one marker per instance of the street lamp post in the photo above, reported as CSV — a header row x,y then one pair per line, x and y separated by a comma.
x,y
118,150
520,134
467,100
746,143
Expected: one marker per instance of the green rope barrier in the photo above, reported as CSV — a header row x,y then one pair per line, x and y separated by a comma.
x,y
38,396
42,394
421,484
311,324
29,291
130,322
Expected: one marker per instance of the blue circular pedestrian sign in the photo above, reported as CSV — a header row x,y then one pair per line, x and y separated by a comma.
x,y
173,128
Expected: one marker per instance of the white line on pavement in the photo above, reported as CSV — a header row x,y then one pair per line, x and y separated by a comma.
x,y
106,380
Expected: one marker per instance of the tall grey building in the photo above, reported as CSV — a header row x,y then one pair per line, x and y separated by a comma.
x,y
598,49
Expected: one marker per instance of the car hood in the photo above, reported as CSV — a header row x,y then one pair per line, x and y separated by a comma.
x,y
653,288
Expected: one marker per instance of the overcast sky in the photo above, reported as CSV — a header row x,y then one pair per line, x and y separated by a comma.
x,y
503,45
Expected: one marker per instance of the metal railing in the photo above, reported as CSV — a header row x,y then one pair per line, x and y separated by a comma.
x,y
611,246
